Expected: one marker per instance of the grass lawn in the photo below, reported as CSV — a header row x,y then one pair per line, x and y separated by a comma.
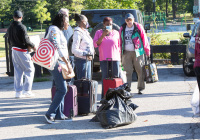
x,y
2,45
171,35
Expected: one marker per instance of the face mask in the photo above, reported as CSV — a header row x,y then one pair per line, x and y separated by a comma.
x,y
87,25
109,27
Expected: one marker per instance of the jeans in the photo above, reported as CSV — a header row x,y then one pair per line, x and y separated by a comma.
x,y
57,106
80,65
71,81
104,70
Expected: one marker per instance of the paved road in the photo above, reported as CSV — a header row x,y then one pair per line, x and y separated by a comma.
x,y
164,112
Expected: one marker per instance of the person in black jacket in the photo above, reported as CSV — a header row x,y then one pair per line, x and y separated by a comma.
x,y
19,41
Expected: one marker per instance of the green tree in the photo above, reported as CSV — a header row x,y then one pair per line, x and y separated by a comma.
x,y
40,11
4,9
129,4
102,4
74,6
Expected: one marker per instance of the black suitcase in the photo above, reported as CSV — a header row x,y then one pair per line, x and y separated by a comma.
x,y
87,94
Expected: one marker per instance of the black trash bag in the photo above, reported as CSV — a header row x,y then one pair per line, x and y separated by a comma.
x,y
121,91
114,112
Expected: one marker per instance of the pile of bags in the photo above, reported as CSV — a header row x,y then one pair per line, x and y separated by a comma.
x,y
117,109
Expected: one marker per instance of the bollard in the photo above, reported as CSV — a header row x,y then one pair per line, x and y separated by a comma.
x,y
188,27
174,55
9,64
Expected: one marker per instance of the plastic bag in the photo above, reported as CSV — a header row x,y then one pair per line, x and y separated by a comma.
x,y
122,75
195,101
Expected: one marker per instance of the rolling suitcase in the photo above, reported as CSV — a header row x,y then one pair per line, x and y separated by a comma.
x,y
87,94
70,101
110,82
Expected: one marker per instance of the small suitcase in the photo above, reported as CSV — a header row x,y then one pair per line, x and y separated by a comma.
x,y
70,101
87,95
111,82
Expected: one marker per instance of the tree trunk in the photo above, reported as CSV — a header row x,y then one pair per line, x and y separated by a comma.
x,y
167,8
174,8
41,28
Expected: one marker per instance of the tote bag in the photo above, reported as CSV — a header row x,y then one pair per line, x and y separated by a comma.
x,y
46,54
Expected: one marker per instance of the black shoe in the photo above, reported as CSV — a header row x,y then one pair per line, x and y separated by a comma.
x,y
140,92
49,119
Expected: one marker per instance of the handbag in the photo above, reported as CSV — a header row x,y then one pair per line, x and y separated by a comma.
x,y
150,70
46,55
65,70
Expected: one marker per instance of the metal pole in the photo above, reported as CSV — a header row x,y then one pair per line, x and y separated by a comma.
x,y
154,6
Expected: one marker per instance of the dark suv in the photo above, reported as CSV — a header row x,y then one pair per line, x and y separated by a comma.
x,y
95,19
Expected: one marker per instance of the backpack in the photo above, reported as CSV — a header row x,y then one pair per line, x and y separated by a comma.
x,y
69,45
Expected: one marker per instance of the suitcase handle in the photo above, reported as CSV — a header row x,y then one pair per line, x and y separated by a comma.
x,y
86,67
108,68
75,100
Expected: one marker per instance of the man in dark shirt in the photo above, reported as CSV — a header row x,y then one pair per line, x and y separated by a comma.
x,y
19,41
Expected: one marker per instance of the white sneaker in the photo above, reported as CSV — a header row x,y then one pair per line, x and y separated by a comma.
x,y
28,94
19,95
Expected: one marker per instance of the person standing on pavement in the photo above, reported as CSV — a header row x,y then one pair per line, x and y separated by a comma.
x,y
108,43
68,34
82,45
56,36
134,44
197,57
19,41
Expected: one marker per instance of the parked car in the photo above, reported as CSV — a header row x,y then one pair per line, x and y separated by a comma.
x,y
188,60
95,18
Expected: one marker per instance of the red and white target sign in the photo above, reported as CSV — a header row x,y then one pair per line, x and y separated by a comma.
x,y
46,55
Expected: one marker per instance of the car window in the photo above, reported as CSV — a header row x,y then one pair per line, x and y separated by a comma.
x,y
97,18
194,32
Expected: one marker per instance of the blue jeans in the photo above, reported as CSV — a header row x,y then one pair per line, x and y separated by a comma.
x,y
104,70
71,81
80,65
57,106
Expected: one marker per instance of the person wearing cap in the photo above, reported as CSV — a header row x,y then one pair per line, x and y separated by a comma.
x,y
81,47
19,41
134,44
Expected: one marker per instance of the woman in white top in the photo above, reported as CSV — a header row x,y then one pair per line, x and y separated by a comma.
x,y
81,47
56,36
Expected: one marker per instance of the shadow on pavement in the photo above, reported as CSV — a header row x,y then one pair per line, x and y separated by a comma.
x,y
180,130
161,95
185,112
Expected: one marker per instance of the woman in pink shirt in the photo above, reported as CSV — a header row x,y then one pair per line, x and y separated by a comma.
x,y
197,56
108,42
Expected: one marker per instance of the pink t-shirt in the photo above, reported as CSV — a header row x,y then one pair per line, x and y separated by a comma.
x,y
109,47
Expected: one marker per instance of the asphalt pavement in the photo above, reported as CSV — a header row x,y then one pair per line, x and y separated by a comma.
x,y
164,112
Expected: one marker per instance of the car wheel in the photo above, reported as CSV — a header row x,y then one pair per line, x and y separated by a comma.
x,y
187,71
